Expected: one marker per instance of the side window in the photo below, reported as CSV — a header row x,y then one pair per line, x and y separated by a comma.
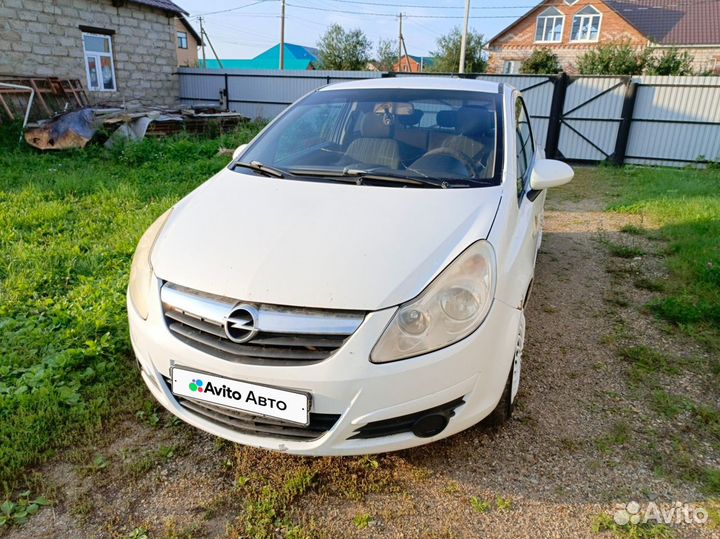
x,y
525,150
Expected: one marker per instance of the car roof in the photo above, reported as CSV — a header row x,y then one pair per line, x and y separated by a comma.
x,y
419,82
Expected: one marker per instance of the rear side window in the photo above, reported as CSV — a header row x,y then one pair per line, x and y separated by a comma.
x,y
525,149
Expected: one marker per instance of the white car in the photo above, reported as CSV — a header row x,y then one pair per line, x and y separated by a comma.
x,y
354,281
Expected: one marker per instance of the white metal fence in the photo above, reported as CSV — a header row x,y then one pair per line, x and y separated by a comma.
x,y
669,121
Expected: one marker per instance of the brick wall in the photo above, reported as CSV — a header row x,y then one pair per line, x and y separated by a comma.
x,y
43,38
187,57
518,42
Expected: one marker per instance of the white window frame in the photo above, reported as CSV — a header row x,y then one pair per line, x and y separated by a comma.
x,y
544,18
98,63
185,37
583,17
571,2
514,66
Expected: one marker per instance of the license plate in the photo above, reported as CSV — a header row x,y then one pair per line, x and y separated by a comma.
x,y
256,399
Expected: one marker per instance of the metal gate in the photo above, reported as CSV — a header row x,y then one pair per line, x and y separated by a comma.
x,y
592,115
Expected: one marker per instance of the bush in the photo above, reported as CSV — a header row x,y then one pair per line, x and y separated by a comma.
x,y
619,58
670,62
540,62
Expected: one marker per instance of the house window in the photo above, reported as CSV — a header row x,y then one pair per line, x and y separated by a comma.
x,y
511,67
182,40
571,2
586,25
549,26
99,65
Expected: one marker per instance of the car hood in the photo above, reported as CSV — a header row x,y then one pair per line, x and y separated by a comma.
x,y
317,244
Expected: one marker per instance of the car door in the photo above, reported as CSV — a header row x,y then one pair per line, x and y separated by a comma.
x,y
530,204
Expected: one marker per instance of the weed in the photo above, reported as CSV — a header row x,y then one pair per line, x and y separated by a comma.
x,y
669,405
619,435
18,512
137,533
503,504
633,230
605,522
362,521
652,285
452,488
620,250
480,505
646,363
97,465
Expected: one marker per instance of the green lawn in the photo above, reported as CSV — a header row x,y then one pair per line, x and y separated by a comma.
x,y
69,223
684,205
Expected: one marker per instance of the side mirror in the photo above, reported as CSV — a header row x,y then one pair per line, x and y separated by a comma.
x,y
548,173
240,149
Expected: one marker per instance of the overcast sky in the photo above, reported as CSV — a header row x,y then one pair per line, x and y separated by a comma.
x,y
245,28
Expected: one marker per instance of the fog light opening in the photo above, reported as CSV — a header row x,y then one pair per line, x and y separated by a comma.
x,y
430,425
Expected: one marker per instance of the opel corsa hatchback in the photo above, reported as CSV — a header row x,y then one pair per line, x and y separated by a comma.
x,y
354,281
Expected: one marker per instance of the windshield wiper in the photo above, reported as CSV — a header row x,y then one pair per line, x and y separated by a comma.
x,y
257,166
349,175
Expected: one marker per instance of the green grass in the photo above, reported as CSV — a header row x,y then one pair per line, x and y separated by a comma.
x,y
69,223
684,205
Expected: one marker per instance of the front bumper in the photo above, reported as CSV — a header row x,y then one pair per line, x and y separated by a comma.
x,y
347,384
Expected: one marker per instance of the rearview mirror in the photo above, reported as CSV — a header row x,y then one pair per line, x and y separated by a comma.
x,y
240,149
398,109
548,173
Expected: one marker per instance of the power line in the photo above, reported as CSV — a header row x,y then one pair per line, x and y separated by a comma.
x,y
365,13
385,4
232,9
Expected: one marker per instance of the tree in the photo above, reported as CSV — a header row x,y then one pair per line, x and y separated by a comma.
x,y
447,57
619,58
343,50
386,54
541,62
671,62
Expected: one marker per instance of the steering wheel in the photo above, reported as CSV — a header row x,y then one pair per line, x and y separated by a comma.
x,y
457,156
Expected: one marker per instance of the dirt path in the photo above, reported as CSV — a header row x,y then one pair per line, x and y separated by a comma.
x,y
585,436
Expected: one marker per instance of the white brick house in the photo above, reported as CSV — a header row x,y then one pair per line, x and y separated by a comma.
x,y
121,50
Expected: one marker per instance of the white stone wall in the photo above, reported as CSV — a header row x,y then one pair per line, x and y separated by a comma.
x,y
43,38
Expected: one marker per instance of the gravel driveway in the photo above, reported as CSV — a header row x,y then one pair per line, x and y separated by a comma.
x,y
583,439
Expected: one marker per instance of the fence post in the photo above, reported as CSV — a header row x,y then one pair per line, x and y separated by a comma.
x,y
621,143
227,93
560,85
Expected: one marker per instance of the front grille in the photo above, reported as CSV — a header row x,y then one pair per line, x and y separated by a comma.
x,y
258,426
401,424
278,335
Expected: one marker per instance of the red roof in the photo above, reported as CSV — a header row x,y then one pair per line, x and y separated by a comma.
x,y
673,22
665,22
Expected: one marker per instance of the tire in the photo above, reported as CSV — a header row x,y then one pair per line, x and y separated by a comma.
x,y
504,409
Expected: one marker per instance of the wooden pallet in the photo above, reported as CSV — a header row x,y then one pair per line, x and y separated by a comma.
x,y
52,95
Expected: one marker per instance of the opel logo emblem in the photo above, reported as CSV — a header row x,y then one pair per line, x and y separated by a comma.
x,y
240,325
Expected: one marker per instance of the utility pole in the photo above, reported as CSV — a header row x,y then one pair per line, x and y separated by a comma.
x,y
282,36
400,40
463,42
204,36
202,39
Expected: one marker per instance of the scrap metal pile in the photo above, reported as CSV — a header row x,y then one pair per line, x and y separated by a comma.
x,y
76,128
65,118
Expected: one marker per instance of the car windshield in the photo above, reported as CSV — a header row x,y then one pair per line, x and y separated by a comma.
x,y
427,137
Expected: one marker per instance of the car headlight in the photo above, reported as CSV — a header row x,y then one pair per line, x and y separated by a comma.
x,y
448,310
141,271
